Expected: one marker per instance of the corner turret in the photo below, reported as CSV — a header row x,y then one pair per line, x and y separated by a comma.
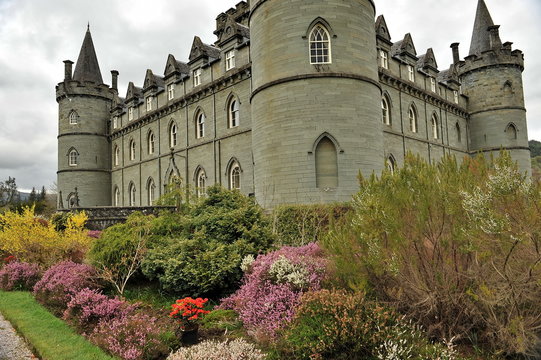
x,y
84,159
491,78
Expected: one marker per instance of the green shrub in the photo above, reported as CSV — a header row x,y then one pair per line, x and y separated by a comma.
x,y
222,319
455,246
297,225
199,252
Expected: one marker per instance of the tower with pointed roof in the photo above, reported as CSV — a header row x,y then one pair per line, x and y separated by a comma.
x,y
84,157
491,78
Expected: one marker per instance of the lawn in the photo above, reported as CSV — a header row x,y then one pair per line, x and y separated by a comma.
x,y
50,337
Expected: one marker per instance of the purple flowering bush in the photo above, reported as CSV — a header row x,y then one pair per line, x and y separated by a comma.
x,y
88,307
61,282
19,276
134,336
272,287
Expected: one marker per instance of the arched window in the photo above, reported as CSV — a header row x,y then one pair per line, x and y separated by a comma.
x,y
511,132
117,196
116,156
151,143
74,117
72,200
413,119
200,126
458,133
73,158
391,164
201,183
233,113
151,191
173,135
435,127
132,193
234,176
320,45
385,113
326,164
132,150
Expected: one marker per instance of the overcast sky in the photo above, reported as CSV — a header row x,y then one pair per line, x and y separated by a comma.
x,y
133,35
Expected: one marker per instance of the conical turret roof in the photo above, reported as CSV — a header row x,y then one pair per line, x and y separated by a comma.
x,y
480,40
87,68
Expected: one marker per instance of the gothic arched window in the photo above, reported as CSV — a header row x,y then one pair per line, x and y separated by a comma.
x,y
132,193
435,127
233,113
412,116
391,164
234,176
73,158
458,133
320,45
151,142
326,164
173,135
385,111
200,125
151,191
201,183
74,117
132,150
117,196
116,156
511,132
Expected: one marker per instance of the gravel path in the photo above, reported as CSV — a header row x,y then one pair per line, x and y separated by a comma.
x,y
12,347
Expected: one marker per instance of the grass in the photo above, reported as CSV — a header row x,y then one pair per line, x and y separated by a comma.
x,y
50,337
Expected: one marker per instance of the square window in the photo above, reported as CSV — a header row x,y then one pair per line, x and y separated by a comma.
x,y
229,60
411,73
171,92
384,59
433,84
197,77
149,103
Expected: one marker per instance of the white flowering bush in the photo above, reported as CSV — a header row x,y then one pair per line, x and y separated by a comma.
x,y
246,263
284,271
238,349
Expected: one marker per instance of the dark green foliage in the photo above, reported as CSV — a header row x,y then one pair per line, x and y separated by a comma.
x,y
199,252
60,220
297,225
535,148
223,320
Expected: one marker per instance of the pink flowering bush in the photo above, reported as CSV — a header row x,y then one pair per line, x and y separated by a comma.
x,y
88,307
19,276
134,336
272,287
61,282
95,234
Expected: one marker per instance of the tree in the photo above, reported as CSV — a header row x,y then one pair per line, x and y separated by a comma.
x,y
8,192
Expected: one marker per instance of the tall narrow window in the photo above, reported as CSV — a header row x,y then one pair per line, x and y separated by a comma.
x,y
149,103
200,126
391,164
116,156
132,150
435,127
173,135
171,92
197,77
74,117
411,73
455,96
130,114
233,113
433,84
383,59
458,133
115,122
151,188
385,114
412,119
117,196
229,60
320,45
73,158
326,164
201,183
234,176
151,143
132,194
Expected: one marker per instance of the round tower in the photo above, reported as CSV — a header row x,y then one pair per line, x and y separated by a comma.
x,y
315,99
84,102
491,78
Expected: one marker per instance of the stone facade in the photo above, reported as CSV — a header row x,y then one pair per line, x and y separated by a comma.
x,y
258,111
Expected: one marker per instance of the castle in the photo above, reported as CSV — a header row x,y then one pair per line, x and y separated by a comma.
x,y
288,105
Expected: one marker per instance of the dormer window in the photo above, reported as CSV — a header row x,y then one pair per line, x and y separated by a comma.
x,y
229,60
433,84
320,45
149,103
74,117
411,73
130,114
196,77
171,92
383,59
455,95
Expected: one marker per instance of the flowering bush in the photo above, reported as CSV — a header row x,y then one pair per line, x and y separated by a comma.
x,y
94,234
237,349
9,259
62,281
88,307
18,276
187,311
134,336
273,285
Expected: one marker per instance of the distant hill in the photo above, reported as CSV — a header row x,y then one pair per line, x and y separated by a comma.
x,y
535,147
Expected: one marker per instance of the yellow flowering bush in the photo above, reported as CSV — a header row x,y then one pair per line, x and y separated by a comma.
x,y
35,240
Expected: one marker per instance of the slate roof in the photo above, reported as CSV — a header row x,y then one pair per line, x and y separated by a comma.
x,y
480,40
87,68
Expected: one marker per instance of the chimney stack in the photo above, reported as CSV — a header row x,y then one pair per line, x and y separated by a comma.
x,y
68,65
456,54
114,74
495,42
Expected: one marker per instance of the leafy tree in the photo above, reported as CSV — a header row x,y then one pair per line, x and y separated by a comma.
x,y
535,148
455,245
8,192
